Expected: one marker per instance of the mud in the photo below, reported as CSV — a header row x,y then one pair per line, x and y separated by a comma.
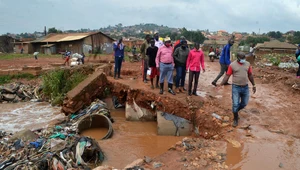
x,y
96,133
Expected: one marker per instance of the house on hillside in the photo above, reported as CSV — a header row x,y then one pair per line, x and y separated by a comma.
x,y
222,33
7,44
214,43
74,42
276,46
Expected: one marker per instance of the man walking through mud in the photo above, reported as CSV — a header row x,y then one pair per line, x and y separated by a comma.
x,y
224,61
165,64
241,71
145,59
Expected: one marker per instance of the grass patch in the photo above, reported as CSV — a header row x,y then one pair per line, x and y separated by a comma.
x,y
58,82
8,78
11,56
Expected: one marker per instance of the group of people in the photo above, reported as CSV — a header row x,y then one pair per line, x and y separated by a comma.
x,y
162,59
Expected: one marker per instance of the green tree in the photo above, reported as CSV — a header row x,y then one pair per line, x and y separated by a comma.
x,y
54,30
275,34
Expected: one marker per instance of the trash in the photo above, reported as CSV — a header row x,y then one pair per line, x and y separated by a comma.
x,y
157,165
57,145
16,92
18,144
58,135
116,102
216,116
37,144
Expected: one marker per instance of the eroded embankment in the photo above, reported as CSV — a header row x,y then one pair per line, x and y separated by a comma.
x,y
98,85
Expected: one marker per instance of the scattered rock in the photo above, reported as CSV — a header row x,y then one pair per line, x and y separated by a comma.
x,y
226,119
195,164
157,164
245,127
225,124
281,165
147,159
203,162
234,143
183,159
135,163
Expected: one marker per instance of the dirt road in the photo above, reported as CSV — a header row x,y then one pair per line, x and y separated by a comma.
x,y
272,141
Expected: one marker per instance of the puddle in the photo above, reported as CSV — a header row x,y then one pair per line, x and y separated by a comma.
x,y
267,151
27,115
96,133
133,140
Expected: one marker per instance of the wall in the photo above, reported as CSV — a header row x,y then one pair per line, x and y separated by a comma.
x,y
6,44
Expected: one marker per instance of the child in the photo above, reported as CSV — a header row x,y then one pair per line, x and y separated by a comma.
x,y
151,53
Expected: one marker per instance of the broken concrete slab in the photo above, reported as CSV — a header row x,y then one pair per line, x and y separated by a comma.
x,y
168,128
136,113
86,91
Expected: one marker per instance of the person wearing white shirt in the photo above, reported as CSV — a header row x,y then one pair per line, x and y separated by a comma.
x,y
158,43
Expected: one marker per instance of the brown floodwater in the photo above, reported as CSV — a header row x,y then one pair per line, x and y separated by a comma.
x,y
96,133
133,140
27,115
266,151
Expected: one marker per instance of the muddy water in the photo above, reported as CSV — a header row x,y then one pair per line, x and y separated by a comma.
x,y
96,133
27,115
133,140
265,151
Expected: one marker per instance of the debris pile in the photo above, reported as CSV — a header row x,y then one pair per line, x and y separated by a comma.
x,y
17,92
59,147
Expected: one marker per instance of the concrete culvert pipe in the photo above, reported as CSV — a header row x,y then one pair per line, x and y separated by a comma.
x,y
96,122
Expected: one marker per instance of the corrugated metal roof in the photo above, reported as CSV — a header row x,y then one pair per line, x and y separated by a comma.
x,y
66,37
72,38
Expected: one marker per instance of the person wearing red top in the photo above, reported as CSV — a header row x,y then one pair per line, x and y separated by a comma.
x,y
241,71
194,61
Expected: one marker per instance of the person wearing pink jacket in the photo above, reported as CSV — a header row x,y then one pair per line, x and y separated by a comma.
x,y
194,63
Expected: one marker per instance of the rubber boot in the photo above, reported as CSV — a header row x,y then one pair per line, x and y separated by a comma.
x,y
161,91
235,120
170,90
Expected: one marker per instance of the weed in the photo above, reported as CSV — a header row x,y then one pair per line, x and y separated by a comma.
x,y
8,78
59,82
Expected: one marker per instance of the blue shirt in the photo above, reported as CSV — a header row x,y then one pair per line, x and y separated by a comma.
x,y
297,53
119,51
225,55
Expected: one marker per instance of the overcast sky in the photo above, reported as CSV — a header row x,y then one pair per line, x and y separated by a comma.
x,y
18,16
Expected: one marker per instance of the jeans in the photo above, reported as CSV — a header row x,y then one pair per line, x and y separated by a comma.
x,y
193,75
166,70
240,98
223,70
145,65
118,65
180,76
298,72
